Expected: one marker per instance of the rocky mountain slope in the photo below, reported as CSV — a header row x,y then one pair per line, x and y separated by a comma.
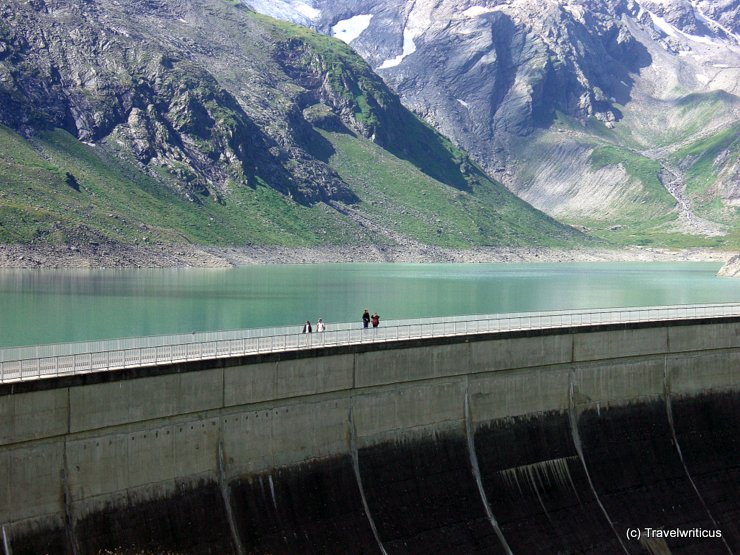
x,y
200,121
620,116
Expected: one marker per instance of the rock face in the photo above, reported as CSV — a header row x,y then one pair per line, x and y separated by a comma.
x,y
488,72
167,84
225,126
731,267
508,79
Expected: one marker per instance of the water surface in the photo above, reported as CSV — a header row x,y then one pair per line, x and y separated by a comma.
x,y
52,306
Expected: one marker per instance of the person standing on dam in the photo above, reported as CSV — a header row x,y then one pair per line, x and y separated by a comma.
x,y
365,318
307,327
320,326
376,320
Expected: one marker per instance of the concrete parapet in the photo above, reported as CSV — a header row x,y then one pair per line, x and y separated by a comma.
x,y
623,343
109,404
520,352
250,383
29,416
704,337
313,376
380,367
283,379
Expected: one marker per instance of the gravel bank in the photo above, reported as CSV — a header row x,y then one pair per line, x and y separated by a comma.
x,y
125,256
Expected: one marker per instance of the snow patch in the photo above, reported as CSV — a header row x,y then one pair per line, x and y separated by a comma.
x,y
662,25
290,10
308,11
465,104
475,11
723,66
348,30
702,78
409,47
703,40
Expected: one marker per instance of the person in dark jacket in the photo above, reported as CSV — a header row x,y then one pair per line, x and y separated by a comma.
x,y
376,320
307,327
365,318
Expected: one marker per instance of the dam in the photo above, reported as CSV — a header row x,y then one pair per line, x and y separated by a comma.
x,y
567,432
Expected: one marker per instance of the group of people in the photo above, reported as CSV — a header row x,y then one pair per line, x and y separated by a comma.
x,y
366,319
319,326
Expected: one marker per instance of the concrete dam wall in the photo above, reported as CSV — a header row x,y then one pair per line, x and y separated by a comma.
x,y
556,441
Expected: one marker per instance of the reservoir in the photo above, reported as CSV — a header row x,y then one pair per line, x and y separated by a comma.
x,y
55,306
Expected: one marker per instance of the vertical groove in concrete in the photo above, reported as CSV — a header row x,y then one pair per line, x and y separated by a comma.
x,y
476,473
668,339
6,543
69,524
669,414
223,393
579,449
358,478
226,496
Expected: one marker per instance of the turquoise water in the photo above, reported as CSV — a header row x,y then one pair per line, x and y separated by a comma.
x,y
52,306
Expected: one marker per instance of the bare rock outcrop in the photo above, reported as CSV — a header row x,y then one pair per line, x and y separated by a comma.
x,y
731,267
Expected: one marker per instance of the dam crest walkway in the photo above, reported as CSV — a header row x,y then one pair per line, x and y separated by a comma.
x,y
46,361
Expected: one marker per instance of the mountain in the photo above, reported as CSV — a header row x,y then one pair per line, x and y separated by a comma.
x,y
619,116
201,121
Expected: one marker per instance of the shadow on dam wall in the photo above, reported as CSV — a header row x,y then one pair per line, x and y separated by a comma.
x,y
422,495
574,466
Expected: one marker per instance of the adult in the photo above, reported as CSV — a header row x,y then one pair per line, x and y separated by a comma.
x,y
365,318
376,320
307,327
320,326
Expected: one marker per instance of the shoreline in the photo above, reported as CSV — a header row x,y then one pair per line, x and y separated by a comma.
x,y
179,256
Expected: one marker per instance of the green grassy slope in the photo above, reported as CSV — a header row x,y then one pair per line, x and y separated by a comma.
x,y
116,202
705,160
402,197
644,157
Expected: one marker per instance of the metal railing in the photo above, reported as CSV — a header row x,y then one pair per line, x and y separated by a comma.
x,y
43,361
